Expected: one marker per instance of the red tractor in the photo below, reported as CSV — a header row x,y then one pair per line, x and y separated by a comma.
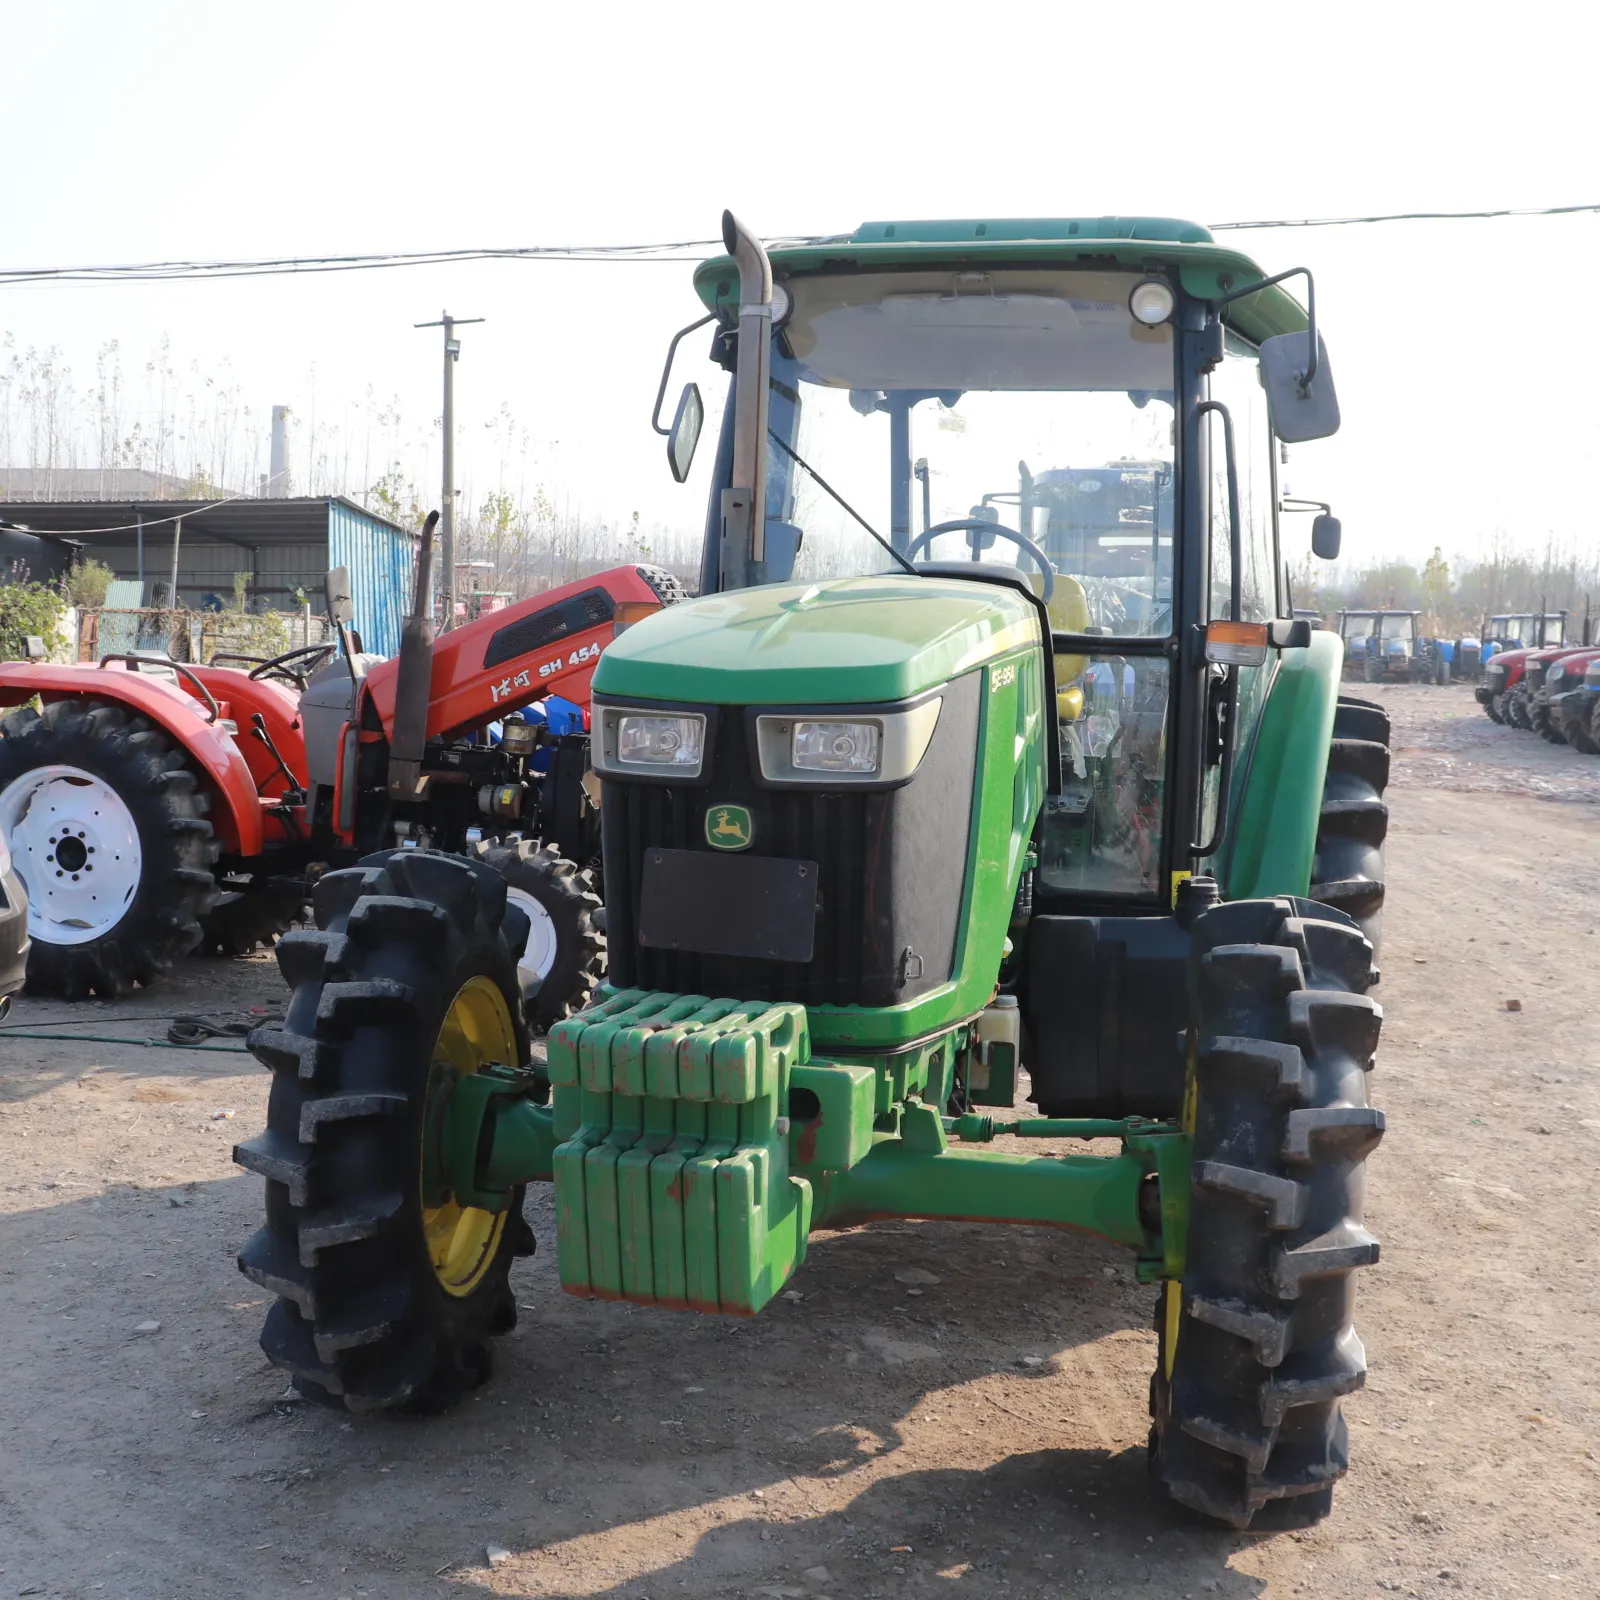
x,y
152,807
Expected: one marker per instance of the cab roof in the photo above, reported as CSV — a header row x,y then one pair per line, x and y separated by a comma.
x,y
1205,268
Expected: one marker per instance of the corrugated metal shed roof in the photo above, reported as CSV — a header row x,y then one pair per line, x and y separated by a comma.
x,y
241,522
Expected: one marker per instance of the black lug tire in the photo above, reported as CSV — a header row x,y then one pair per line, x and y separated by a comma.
x,y
1495,708
1372,670
1248,1427
256,915
1347,871
1544,724
155,780
1516,711
1584,734
1441,672
566,891
361,1318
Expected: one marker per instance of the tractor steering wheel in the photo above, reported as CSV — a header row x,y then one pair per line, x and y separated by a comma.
x,y
1021,540
296,675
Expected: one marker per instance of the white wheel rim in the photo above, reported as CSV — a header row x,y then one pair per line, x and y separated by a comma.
x,y
76,849
539,954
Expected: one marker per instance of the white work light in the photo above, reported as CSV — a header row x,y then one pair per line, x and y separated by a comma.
x,y
1151,302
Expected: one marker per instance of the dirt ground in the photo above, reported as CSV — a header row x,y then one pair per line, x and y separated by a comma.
x,y
933,1409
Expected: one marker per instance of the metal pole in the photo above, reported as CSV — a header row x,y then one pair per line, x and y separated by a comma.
x,y
447,506
140,516
177,536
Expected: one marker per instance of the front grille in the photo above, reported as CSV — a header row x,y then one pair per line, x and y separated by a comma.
x,y
891,869
828,829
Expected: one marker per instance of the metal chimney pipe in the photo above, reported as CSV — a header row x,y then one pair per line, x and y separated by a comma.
x,y
744,502
278,462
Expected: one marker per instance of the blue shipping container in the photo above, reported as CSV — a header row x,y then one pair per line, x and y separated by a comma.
x,y
382,562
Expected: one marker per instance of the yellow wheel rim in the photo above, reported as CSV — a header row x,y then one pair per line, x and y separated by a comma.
x,y
462,1240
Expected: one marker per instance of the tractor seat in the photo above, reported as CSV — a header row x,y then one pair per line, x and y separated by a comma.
x,y
1068,606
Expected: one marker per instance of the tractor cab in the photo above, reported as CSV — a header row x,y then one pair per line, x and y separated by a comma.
x,y
1381,643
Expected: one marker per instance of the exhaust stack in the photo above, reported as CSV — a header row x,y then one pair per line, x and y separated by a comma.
x,y
414,682
744,505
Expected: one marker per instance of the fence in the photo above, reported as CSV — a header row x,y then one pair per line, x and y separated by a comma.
x,y
194,636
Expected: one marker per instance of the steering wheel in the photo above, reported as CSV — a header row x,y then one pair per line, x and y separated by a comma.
x,y
1021,540
296,675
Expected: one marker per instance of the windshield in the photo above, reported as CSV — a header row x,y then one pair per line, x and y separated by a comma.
x,y
1028,406
1358,625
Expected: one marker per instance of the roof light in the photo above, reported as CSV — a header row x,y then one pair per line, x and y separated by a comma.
x,y
1151,301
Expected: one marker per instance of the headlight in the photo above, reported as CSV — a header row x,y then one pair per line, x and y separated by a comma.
x,y
1496,671
835,747
666,744
1554,676
882,748
660,741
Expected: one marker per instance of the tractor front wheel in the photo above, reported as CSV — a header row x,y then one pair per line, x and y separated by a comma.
x,y
1516,712
107,824
1255,1347
1584,734
1495,708
387,1287
565,956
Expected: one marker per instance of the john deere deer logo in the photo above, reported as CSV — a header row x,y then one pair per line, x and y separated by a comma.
x,y
728,828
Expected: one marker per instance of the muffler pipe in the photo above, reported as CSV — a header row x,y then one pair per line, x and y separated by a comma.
x,y
744,521
408,734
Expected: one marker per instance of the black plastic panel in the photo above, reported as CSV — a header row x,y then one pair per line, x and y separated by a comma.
x,y
1106,1001
729,905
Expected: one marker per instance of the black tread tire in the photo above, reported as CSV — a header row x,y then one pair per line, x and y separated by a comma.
x,y
1544,724
155,780
1248,1428
257,915
361,1318
1372,670
566,891
1516,711
1494,708
1347,871
1585,733
1441,672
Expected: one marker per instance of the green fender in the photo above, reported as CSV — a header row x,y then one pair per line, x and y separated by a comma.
x,y
1273,835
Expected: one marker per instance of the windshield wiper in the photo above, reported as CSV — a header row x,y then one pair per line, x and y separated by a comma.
x,y
824,484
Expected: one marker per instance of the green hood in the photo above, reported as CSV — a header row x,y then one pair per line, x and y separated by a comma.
x,y
844,640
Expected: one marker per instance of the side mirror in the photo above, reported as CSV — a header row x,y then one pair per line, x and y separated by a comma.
x,y
684,434
1300,393
336,593
1326,533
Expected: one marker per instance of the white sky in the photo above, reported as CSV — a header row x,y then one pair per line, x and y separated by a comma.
x,y
1465,352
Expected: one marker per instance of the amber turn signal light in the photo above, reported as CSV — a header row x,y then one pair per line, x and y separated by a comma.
x,y
1236,644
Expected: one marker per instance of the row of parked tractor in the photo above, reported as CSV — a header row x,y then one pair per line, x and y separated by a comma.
x,y
1526,672
1547,686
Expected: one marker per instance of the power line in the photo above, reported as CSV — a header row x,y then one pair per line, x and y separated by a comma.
x,y
1407,216
668,251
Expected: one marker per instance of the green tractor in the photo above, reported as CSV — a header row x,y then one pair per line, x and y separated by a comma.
x,y
926,849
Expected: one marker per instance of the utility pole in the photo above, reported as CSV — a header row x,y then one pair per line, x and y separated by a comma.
x,y
447,506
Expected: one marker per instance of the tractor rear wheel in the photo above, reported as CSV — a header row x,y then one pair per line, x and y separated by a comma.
x,y
388,1289
251,914
565,956
1347,870
107,824
1256,1346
